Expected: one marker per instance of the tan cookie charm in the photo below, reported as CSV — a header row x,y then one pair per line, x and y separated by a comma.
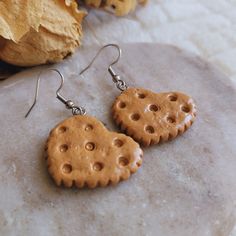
x,y
117,7
150,117
82,152
146,116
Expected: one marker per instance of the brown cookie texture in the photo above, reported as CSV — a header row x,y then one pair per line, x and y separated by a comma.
x,y
82,152
117,7
151,117
121,8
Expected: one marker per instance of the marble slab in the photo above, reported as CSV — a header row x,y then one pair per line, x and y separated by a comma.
x,y
185,187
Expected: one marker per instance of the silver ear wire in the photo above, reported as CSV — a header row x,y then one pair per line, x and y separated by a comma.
x,y
120,84
76,110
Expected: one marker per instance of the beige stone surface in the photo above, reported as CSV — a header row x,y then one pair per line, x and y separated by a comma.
x,y
184,187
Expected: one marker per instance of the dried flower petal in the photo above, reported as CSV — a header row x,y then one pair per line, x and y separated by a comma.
x,y
17,17
46,33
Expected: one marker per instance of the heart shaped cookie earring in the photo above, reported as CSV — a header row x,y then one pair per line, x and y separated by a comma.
x,y
82,152
149,117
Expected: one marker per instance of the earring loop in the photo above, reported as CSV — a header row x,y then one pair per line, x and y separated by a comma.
x,y
120,84
76,110
98,53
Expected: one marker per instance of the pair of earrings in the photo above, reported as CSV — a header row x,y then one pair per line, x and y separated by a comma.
x,y
82,152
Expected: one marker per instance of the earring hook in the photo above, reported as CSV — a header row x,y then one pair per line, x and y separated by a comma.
x,y
120,84
97,54
69,104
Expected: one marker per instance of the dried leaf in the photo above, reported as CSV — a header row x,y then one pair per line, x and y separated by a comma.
x,y
18,16
48,38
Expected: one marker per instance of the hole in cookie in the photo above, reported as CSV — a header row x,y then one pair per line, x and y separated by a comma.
x,y
123,161
173,97
90,146
135,117
118,143
88,127
113,6
149,129
62,129
154,108
66,168
64,148
122,105
185,109
141,95
98,166
170,119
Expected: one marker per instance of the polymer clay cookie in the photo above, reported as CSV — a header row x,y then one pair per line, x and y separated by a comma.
x,y
82,152
117,7
153,117
121,8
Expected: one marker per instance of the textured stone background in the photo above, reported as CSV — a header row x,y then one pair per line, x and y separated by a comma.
x,y
29,200
185,187
205,27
